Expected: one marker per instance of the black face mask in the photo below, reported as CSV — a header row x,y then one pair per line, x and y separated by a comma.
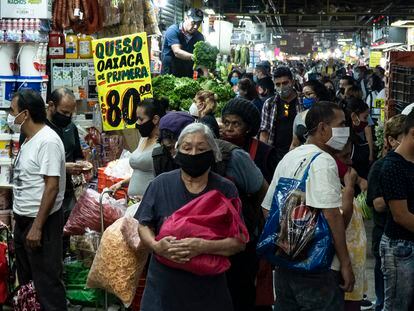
x,y
145,128
195,165
60,120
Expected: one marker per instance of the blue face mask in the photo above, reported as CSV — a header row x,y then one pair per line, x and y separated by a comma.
x,y
255,79
234,80
308,102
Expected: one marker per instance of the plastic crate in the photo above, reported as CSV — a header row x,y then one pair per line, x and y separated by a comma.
x,y
105,181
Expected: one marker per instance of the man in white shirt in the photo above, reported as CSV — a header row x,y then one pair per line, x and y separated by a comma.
x,y
39,185
317,290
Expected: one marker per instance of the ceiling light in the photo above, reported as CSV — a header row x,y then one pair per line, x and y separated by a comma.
x,y
403,23
209,12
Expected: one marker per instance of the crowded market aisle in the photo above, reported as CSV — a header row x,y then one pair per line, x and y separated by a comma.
x,y
199,155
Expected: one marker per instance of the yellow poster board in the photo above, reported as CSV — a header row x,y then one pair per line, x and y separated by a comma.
x,y
374,58
123,78
379,104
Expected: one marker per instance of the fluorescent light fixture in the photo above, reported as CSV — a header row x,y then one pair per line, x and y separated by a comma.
x,y
403,23
345,40
243,17
209,11
163,3
277,36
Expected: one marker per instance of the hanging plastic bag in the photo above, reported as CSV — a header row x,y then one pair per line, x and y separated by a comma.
x,y
119,261
295,235
86,213
211,216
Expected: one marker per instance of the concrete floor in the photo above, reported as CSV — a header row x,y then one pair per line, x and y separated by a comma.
x,y
370,261
370,272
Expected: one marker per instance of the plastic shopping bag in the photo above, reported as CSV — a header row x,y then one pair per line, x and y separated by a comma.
x,y
211,216
26,299
86,213
119,261
295,235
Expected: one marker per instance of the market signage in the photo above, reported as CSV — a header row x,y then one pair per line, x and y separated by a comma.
x,y
123,78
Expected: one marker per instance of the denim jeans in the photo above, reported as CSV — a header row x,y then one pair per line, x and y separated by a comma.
x,y
397,264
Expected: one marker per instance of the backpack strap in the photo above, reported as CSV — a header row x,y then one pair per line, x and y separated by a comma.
x,y
253,148
306,173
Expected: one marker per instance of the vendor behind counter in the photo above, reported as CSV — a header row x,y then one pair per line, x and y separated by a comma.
x,y
178,46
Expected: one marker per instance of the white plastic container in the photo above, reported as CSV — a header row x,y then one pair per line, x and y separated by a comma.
x,y
7,88
7,59
5,144
28,60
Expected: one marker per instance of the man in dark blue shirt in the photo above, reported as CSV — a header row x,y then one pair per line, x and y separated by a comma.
x,y
178,47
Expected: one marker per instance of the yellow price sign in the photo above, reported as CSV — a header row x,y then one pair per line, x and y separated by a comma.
x,y
123,78
374,58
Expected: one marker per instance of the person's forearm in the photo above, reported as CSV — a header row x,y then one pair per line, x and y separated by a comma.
x,y
379,204
370,140
264,136
181,54
147,236
347,204
225,247
336,224
46,205
407,221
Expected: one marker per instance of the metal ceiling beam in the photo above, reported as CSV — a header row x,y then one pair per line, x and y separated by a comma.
x,y
338,14
324,26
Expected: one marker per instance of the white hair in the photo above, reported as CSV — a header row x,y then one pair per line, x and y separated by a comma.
x,y
208,134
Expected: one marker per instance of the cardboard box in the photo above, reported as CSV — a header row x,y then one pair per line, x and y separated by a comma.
x,y
26,9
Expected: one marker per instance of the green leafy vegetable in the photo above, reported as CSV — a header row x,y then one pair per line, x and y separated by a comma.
x,y
366,211
205,55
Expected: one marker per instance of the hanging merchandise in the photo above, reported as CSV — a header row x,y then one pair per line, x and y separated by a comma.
x,y
84,16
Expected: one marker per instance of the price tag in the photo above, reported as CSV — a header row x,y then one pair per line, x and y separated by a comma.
x,y
123,78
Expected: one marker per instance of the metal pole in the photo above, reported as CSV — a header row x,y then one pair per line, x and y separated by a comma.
x,y
102,231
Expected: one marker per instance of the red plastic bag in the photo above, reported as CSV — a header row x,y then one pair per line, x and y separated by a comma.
x,y
26,299
4,273
86,213
211,216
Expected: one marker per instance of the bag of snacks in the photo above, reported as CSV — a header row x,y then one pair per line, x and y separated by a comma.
x,y
87,214
119,261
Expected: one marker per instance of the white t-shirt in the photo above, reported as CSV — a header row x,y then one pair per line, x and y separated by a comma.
x,y
43,155
323,187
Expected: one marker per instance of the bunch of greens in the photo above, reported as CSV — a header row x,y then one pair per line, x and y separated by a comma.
x,y
205,55
366,211
223,91
179,91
